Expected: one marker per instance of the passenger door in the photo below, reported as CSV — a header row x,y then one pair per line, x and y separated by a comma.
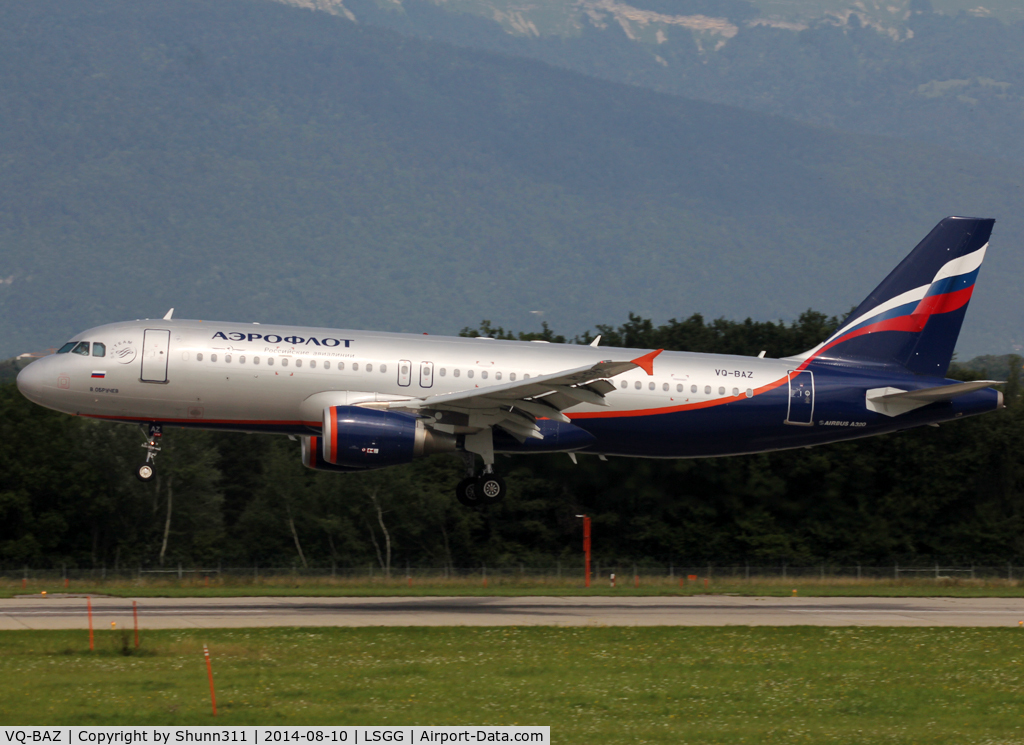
x,y
801,398
155,352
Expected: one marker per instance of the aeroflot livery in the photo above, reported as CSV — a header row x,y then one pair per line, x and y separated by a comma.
x,y
361,400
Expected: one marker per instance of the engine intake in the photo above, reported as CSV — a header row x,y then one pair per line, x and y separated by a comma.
x,y
358,438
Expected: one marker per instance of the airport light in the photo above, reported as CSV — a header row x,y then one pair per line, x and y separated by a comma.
x,y
586,546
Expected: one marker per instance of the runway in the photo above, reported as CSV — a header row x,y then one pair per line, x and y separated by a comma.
x,y
69,612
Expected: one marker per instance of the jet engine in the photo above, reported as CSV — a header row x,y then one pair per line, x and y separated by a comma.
x,y
356,438
313,456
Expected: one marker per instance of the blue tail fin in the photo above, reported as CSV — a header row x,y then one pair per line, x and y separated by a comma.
x,y
912,320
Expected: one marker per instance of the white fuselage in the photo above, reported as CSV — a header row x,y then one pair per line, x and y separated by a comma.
x,y
230,376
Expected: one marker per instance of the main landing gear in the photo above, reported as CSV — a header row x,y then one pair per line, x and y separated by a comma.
x,y
147,470
475,490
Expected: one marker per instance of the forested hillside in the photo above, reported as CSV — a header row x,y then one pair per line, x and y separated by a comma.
x,y
68,495
249,160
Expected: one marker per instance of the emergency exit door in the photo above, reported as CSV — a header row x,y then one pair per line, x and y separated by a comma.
x,y
801,398
156,345
404,373
426,374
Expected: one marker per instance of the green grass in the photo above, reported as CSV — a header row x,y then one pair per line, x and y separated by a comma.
x,y
592,685
512,586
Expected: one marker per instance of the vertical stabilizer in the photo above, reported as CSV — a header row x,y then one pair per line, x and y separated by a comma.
x,y
912,320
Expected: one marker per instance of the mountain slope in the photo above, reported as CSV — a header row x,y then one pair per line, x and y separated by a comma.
x,y
897,68
248,160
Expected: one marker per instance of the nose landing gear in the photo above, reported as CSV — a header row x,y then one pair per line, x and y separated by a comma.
x,y
147,470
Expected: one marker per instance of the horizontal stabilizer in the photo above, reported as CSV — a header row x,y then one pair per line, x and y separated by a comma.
x,y
895,401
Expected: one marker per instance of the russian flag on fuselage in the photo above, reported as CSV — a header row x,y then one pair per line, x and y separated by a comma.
x,y
912,320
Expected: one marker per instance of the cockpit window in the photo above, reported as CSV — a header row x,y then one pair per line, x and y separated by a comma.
x,y
99,349
81,348
67,347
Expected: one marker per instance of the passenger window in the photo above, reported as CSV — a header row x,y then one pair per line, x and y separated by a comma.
x,y
227,358
442,371
526,376
664,386
511,376
456,372
624,384
270,361
369,367
241,360
651,385
298,363
405,370
99,350
735,391
707,390
693,389
312,364
341,366
497,376
383,368
213,358
469,373
750,393
483,374
721,390
327,364
355,367
81,348
67,347
679,388
255,360
284,362
637,385
199,356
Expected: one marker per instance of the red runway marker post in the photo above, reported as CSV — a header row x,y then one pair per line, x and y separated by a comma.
x,y
88,605
209,672
135,615
586,547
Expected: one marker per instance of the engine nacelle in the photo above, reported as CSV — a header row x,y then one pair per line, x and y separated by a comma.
x,y
313,456
354,437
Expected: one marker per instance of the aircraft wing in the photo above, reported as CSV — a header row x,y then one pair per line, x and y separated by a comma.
x,y
516,406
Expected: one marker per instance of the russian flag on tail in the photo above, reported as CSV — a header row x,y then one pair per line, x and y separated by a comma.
x,y
912,320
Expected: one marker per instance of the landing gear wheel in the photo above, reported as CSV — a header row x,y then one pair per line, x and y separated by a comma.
x,y
490,488
466,492
147,470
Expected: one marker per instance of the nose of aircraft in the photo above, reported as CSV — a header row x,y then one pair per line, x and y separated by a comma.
x,y
30,381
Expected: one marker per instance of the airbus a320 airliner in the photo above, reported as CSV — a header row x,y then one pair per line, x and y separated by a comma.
x,y
361,400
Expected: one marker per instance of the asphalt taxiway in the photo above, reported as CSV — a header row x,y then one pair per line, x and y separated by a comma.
x,y
69,612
